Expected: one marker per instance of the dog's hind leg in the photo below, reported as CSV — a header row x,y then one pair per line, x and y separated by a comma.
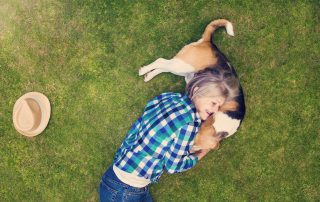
x,y
155,65
148,76
174,66
179,67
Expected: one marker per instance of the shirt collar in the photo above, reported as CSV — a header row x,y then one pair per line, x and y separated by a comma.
x,y
190,103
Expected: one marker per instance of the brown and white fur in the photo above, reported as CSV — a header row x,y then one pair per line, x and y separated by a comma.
x,y
209,137
193,58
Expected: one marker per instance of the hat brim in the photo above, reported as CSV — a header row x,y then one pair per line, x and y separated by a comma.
x,y
45,109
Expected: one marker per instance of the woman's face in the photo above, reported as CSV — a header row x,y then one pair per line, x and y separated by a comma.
x,y
207,106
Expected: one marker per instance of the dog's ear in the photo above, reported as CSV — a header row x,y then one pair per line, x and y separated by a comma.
x,y
206,130
209,121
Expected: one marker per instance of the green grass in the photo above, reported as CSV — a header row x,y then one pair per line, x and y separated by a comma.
x,y
85,57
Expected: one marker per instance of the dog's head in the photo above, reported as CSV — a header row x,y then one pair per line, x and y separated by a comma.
x,y
216,127
226,125
230,116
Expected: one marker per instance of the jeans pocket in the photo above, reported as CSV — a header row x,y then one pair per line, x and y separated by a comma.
x,y
107,193
134,197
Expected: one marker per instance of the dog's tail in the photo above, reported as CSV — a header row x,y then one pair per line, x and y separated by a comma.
x,y
215,25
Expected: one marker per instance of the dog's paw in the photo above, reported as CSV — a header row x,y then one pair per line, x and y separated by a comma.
x,y
141,71
151,74
147,77
144,70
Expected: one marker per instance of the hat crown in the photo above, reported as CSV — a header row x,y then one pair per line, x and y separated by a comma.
x,y
29,115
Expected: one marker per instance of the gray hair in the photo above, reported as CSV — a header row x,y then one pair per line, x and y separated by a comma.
x,y
213,82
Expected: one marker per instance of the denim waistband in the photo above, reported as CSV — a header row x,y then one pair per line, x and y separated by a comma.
x,y
109,175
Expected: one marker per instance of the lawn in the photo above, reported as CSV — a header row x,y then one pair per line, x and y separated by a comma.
x,y
85,57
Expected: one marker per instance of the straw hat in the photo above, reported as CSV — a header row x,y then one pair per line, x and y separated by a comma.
x,y
31,114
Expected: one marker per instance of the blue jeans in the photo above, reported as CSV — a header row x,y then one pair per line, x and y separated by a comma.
x,y
113,189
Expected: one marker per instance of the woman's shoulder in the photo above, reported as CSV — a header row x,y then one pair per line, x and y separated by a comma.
x,y
173,100
169,95
177,104
172,110
165,97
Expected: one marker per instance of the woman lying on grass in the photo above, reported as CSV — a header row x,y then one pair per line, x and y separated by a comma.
x,y
162,138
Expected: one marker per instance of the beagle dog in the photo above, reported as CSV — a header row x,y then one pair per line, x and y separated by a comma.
x,y
193,58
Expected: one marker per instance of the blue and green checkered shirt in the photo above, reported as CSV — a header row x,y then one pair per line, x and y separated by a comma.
x,y
161,138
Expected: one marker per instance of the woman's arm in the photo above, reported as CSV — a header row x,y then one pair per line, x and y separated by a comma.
x,y
201,153
178,158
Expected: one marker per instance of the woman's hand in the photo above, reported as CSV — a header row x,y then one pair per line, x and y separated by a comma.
x,y
201,153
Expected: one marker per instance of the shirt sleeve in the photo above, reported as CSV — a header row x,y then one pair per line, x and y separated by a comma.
x,y
178,158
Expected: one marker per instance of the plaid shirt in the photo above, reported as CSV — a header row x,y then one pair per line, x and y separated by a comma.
x,y
161,138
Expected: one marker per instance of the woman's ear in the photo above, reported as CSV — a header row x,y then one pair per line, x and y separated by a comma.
x,y
195,89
